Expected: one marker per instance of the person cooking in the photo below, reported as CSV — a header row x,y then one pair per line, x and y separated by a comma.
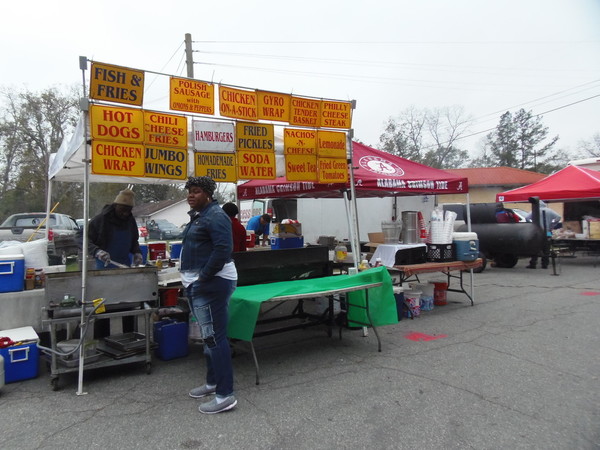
x,y
113,234
209,276
259,225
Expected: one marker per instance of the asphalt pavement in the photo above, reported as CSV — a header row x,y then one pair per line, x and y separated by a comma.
x,y
517,370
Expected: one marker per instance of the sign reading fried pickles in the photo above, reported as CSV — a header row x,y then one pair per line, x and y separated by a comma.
x,y
117,124
331,144
192,96
299,142
218,166
301,167
116,84
254,136
238,103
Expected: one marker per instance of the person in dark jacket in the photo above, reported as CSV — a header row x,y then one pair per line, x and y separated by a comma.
x,y
113,234
237,229
209,276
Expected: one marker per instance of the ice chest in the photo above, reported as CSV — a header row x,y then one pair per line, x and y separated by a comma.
x,y
172,339
291,242
12,273
21,362
466,246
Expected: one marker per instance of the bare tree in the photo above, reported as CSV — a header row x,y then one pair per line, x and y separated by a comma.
x,y
591,148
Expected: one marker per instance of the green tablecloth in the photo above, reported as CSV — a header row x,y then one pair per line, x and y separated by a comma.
x,y
244,306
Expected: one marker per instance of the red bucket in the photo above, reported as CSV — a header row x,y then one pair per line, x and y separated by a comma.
x,y
439,293
169,297
157,250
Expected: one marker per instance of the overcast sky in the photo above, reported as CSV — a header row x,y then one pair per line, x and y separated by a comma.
x,y
485,56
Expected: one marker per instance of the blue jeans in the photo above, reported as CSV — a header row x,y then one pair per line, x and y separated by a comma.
x,y
209,301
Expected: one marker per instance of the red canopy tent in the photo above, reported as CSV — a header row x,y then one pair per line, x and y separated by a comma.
x,y
570,183
376,174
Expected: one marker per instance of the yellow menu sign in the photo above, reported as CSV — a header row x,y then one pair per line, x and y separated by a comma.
x,y
273,106
332,170
305,112
301,167
331,144
117,124
254,136
336,114
192,96
161,162
218,166
116,158
116,84
256,165
167,130
238,103
299,142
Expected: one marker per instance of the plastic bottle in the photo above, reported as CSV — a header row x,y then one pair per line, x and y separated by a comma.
x,y
364,265
341,252
378,262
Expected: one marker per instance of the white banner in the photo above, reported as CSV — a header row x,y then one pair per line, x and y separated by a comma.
x,y
213,136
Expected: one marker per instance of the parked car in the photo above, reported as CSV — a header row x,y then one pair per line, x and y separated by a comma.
x,y
163,229
62,234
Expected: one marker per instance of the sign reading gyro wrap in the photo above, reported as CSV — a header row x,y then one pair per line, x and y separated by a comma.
x,y
213,136
219,166
117,158
116,84
301,167
163,162
167,130
191,96
238,103
297,141
273,106
331,144
117,124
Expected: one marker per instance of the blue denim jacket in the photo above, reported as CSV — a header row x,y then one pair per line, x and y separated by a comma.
x,y
207,241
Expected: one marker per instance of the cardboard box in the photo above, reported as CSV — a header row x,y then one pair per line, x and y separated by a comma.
x,y
572,225
594,229
286,230
375,239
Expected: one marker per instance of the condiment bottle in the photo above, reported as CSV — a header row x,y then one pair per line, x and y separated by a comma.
x,y
364,265
341,252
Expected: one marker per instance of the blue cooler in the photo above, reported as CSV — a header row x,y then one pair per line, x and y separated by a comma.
x,y
172,339
291,242
12,273
466,246
176,249
20,361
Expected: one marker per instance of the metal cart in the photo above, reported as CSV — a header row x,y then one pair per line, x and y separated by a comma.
x,y
127,293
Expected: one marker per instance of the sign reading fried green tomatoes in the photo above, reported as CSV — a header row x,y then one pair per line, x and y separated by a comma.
x,y
332,170
116,84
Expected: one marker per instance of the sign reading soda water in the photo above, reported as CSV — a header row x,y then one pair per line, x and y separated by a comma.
x,y
254,165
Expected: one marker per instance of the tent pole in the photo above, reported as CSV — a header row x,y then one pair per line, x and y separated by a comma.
x,y
84,105
469,230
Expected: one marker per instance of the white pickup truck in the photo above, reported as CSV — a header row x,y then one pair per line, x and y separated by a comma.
x,y
62,234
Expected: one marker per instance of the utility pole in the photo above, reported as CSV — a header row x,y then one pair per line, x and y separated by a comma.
x,y
189,60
